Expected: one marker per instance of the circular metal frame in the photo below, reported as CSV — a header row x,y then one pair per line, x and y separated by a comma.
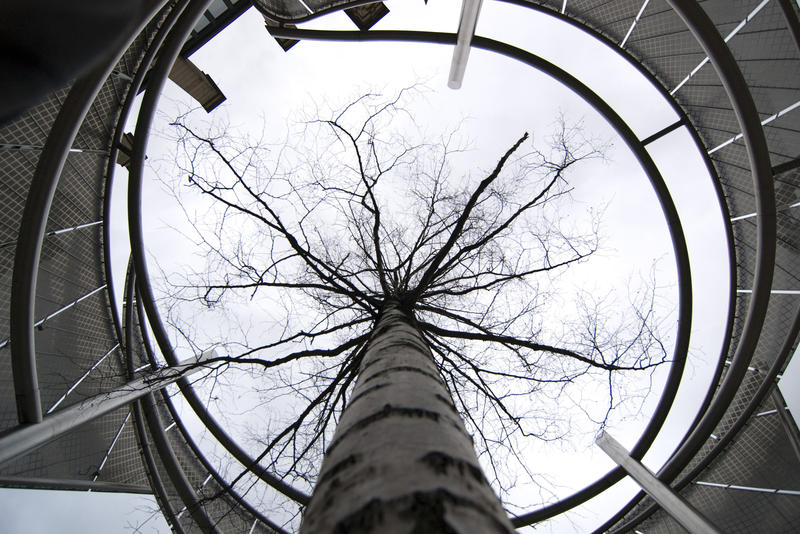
x,y
710,412
167,44
634,144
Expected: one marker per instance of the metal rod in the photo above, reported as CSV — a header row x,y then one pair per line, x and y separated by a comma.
x,y
786,166
772,291
767,385
55,232
14,146
676,506
661,133
730,36
751,215
633,25
40,323
771,491
25,438
71,484
766,412
766,121
96,474
470,9
82,378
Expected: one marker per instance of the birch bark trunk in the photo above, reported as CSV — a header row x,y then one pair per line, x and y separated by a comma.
x,y
401,460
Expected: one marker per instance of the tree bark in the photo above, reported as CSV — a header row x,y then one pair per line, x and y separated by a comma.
x,y
401,460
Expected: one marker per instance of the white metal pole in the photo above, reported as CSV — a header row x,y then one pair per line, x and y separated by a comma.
x,y
466,29
672,503
26,438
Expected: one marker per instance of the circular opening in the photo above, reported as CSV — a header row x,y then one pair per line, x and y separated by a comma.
x,y
494,106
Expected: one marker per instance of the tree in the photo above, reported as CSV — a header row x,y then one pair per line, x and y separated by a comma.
x,y
411,308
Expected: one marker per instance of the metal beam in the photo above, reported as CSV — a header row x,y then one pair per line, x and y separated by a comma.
x,y
31,237
676,506
664,131
758,155
25,438
197,84
470,9
71,485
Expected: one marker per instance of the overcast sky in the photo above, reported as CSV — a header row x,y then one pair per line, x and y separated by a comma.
x,y
502,99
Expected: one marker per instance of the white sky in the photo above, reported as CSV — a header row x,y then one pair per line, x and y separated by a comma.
x,y
262,83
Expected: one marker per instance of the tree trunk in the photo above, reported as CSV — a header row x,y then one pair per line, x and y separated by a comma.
x,y
401,460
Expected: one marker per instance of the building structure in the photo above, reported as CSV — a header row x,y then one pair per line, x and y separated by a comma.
x,y
731,71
